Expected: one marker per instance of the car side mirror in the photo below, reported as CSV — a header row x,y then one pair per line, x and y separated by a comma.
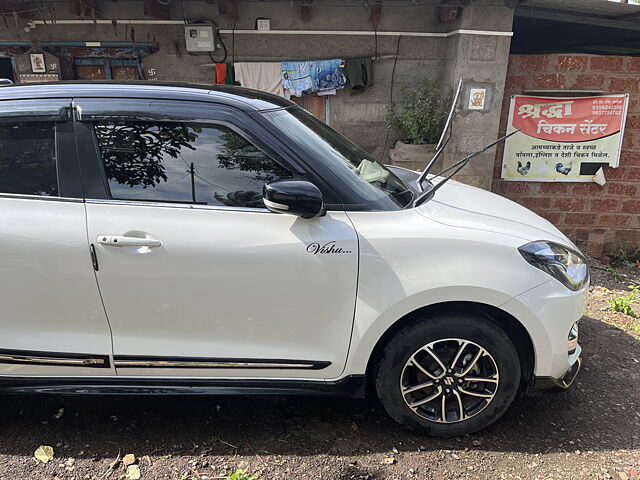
x,y
295,197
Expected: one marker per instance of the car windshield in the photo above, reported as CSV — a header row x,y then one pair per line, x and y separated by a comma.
x,y
374,185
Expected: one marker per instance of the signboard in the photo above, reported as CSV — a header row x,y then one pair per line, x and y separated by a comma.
x,y
563,139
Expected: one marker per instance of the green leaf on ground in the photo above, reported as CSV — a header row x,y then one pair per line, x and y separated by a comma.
x,y
242,475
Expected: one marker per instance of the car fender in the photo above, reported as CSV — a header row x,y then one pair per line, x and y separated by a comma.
x,y
366,335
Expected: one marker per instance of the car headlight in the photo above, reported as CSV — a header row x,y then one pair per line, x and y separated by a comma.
x,y
564,264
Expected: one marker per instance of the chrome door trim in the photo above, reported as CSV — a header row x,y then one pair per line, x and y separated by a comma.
x,y
24,196
161,362
237,209
188,206
53,359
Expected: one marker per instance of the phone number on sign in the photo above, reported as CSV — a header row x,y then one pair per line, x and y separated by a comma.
x,y
607,109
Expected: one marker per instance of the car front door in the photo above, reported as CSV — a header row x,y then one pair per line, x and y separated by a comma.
x,y
197,277
52,320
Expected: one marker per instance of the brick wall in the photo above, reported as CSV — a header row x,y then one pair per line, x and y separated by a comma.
x,y
579,209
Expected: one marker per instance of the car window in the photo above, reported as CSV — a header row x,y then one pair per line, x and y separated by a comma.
x,y
28,158
372,183
184,162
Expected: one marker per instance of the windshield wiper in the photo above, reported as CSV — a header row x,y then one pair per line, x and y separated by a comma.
x,y
428,191
456,167
444,137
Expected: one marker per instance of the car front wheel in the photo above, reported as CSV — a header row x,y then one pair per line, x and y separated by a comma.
x,y
448,375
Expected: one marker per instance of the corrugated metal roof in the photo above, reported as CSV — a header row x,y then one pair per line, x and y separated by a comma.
x,y
604,8
577,26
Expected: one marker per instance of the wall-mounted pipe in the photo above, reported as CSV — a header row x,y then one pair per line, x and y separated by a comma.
x,y
370,33
110,22
288,32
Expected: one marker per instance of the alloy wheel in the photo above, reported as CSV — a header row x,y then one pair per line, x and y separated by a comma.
x,y
449,380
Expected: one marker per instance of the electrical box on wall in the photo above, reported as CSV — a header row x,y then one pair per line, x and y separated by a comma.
x,y
199,38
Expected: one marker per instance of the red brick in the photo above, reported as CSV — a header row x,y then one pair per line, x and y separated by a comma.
x,y
631,206
570,204
587,189
572,62
633,64
553,217
595,244
629,141
634,174
553,188
630,158
550,80
516,82
514,188
624,85
622,189
611,173
583,82
580,234
633,122
580,219
534,63
605,204
535,203
613,220
607,63
628,236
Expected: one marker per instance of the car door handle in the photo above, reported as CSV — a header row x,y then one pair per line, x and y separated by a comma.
x,y
122,241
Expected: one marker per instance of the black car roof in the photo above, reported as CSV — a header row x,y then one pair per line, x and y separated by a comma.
x,y
244,98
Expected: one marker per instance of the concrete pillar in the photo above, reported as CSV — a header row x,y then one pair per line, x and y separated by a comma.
x,y
482,61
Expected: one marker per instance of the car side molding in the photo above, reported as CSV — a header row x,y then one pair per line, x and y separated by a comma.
x,y
125,361
53,358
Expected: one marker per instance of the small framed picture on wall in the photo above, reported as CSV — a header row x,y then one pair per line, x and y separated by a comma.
x,y
37,63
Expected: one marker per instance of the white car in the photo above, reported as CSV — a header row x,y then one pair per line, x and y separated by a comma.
x,y
167,239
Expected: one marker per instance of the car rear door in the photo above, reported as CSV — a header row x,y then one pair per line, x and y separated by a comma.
x,y
52,318
197,277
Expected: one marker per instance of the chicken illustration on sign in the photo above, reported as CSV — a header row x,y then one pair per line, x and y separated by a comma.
x,y
563,139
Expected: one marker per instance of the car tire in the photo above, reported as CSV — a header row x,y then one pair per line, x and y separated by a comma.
x,y
423,352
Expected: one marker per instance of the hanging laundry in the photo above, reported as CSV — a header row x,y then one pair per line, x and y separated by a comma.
x,y
359,73
264,76
220,74
327,75
231,75
296,77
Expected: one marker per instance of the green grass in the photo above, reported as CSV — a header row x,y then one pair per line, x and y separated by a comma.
x,y
623,303
242,475
613,273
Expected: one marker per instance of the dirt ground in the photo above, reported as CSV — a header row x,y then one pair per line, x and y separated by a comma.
x,y
589,432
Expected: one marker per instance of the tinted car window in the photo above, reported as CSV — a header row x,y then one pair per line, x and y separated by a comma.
x,y
28,158
184,162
